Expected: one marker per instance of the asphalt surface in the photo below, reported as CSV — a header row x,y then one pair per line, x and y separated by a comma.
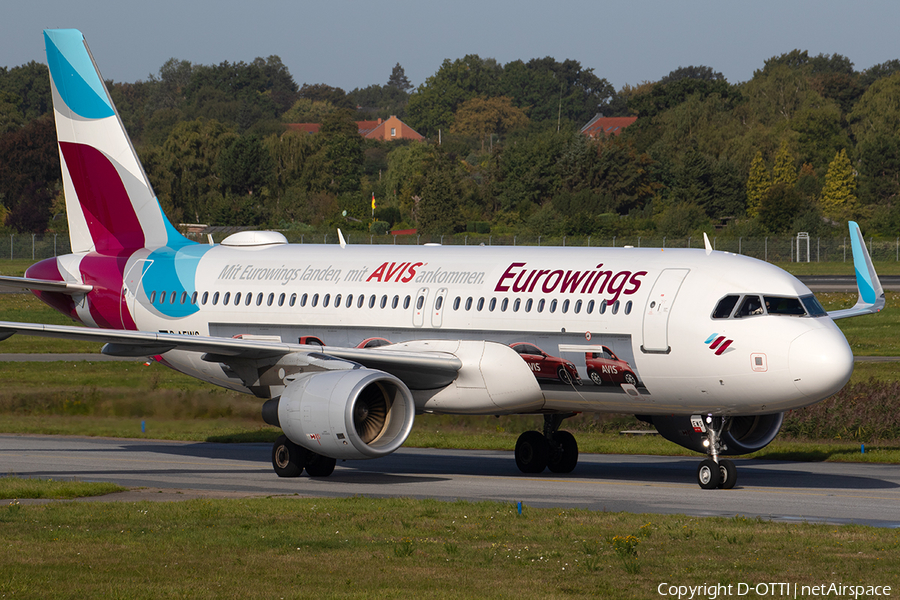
x,y
777,490
846,283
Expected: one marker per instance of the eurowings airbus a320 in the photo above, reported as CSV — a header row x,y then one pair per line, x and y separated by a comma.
x,y
710,347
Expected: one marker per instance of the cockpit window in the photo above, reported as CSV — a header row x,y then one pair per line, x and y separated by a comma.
x,y
753,304
749,307
724,307
813,308
778,305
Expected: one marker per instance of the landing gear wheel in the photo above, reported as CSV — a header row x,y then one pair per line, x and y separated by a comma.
x,y
564,376
728,473
708,474
319,466
564,457
595,377
287,457
532,452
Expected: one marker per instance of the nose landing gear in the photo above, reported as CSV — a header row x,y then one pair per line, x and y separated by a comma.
x,y
714,472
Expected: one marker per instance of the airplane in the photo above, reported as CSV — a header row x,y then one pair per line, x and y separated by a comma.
x,y
718,345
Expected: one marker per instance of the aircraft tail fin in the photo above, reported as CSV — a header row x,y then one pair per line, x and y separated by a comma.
x,y
871,294
110,203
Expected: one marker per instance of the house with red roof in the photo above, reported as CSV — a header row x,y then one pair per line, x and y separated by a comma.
x,y
601,126
388,129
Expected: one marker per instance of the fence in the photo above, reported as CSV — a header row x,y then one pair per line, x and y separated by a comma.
x,y
773,249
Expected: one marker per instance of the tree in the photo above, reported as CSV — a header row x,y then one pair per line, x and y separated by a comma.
x,y
29,172
245,166
398,79
11,118
552,90
692,72
185,170
305,110
878,110
433,105
879,168
781,205
479,117
784,171
839,194
342,151
758,184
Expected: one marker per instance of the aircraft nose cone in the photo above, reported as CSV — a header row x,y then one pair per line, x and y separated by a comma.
x,y
820,362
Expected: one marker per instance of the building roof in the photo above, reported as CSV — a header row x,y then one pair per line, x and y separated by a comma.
x,y
369,129
605,126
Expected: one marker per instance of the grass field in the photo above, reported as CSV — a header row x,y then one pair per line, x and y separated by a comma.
x,y
397,548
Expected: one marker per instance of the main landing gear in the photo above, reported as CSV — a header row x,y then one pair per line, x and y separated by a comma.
x,y
289,460
714,472
553,449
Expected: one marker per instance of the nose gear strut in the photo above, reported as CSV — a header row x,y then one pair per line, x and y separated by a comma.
x,y
714,472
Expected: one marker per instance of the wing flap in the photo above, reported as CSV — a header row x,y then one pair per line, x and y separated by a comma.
x,y
417,369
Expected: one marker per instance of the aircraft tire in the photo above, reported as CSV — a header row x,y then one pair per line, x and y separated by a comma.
x,y
708,474
728,473
319,466
565,459
532,452
287,457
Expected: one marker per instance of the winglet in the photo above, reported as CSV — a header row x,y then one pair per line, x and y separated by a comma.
x,y
871,294
706,244
341,238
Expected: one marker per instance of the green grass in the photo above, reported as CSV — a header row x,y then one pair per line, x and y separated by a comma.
x,y
17,487
401,548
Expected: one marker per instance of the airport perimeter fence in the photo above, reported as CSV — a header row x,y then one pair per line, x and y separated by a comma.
x,y
772,249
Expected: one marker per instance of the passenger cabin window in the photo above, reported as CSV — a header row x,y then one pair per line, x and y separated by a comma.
x,y
226,298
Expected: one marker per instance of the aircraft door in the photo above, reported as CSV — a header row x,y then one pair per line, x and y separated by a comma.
x,y
656,313
437,315
419,309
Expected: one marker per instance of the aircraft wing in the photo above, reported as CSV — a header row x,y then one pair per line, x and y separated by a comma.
x,y
43,285
417,369
871,294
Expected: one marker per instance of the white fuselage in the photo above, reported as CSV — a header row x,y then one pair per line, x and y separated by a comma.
x,y
652,308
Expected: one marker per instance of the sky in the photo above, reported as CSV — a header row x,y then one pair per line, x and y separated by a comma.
x,y
350,44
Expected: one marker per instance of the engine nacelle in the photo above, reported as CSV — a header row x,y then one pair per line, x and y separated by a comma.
x,y
346,414
747,434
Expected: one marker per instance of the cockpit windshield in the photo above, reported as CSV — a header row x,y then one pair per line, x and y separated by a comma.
x,y
736,306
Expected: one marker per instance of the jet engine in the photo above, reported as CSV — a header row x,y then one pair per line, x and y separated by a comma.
x,y
345,414
745,434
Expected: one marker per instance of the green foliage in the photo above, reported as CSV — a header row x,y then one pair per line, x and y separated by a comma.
x,y
784,171
185,169
780,206
758,184
29,174
305,110
434,104
839,194
479,117
245,165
